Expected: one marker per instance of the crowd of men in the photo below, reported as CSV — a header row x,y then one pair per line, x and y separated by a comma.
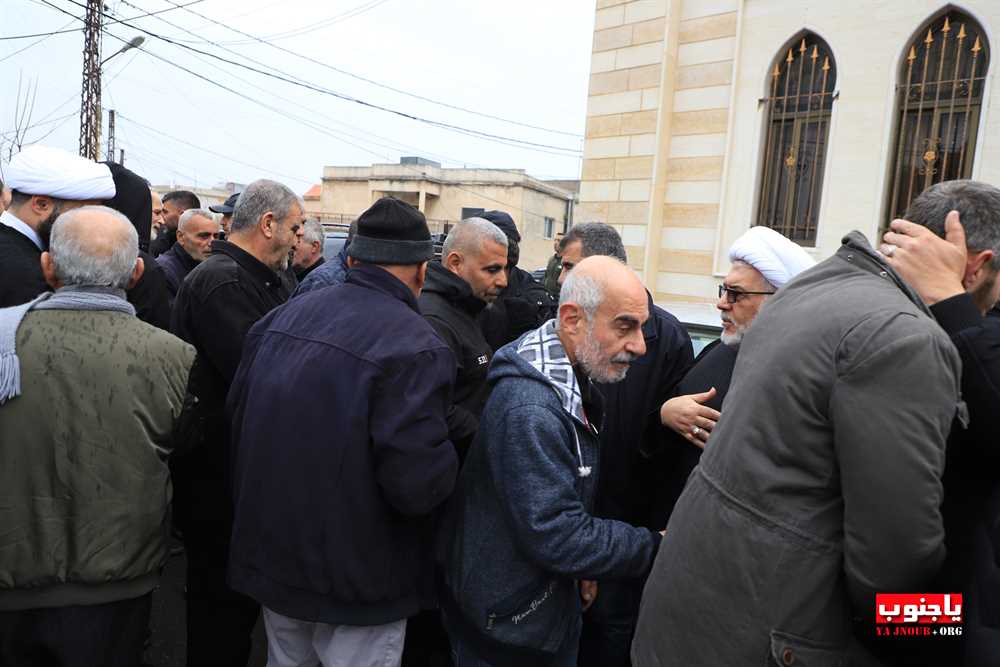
x,y
399,460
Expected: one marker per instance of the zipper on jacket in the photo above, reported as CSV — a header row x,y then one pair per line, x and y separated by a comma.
x,y
489,621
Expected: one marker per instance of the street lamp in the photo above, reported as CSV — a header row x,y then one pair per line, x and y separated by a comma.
x,y
133,43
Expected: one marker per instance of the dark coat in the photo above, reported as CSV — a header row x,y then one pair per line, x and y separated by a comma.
x,y
300,274
522,306
331,273
334,528
133,200
675,457
215,307
449,305
632,419
164,242
176,264
822,480
21,278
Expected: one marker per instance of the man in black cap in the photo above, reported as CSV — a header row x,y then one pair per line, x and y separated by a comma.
x,y
331,535
525,304
215,307
226,209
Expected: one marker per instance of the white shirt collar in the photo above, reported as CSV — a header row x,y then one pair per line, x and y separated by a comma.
x,y
12,220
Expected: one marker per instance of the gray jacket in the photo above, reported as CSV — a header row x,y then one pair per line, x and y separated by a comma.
x,y
821,484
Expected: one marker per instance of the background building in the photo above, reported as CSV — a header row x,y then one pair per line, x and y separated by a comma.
x,y
445,196
813,117
207,196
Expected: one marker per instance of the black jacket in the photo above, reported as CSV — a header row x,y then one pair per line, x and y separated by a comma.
x,y
164,242
300,274
632,419
215,307
176,264
522,306
674,457
449,305
21,278
150,295
334,528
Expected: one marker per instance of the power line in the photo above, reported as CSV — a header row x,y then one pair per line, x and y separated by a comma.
x,y
511,141
45,37
40,34
325,23
254,38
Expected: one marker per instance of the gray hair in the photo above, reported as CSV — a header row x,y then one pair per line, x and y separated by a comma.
x,y
312,232
596,238
81,258
470,234
260,197
193,213
584,291
977,203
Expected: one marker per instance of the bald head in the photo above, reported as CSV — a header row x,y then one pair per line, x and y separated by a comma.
x,y
602,307
476,251
92,246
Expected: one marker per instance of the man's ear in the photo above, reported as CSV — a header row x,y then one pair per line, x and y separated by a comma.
x,y
975,265
49,271
41,205
453,262
570,317
421,277
140,267
268,224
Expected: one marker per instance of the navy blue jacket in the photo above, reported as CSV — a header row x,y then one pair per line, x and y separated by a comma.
x,y
519,530
176,264
341,451
330,273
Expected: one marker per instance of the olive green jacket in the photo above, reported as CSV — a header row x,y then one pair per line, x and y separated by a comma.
x,y
84,487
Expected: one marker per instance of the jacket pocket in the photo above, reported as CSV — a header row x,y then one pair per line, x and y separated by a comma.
x,y
531,617
789,650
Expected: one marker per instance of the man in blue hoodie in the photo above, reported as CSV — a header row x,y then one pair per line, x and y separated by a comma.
x,y
521,545
339,412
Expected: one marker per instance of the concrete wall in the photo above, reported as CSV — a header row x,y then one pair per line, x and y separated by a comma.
x,y
674,123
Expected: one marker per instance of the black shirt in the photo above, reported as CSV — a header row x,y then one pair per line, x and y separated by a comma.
x,y
162,243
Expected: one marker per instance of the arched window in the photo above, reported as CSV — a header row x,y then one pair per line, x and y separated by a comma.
x,y
798,105
939,94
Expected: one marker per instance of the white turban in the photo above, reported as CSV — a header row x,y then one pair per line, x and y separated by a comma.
x,y
778,259
53,172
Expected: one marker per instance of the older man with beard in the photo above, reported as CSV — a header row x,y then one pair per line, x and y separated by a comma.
x,y
521,545
762,261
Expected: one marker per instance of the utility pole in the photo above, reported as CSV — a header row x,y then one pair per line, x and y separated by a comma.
x,y
111,134
121,160
90,98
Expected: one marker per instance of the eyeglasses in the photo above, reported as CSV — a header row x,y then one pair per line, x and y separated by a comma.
x,y
734,295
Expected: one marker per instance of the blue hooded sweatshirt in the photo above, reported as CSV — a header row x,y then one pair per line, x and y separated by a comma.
x,y
519,531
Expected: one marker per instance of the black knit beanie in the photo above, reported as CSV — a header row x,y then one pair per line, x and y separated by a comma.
x,y
392,232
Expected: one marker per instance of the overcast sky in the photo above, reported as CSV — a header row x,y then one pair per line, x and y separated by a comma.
x,y
520,60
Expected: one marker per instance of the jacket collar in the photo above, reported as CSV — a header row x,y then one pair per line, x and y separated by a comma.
x,y
452,289
380,280
10,220
248,262
649,329
186,260
856,249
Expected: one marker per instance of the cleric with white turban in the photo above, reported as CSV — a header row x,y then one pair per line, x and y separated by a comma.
x,y
44,182
763,261
774,256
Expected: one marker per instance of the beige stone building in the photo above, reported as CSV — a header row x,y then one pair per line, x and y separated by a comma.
x,y
810,116
207,196
445,196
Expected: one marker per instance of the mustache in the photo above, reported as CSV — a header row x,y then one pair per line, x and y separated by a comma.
x,y
624,358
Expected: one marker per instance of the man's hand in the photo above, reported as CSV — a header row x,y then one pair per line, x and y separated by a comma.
x,y
588,593
932,266
687,416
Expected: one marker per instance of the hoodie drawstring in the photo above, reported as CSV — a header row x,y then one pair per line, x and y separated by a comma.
x,y
582,469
